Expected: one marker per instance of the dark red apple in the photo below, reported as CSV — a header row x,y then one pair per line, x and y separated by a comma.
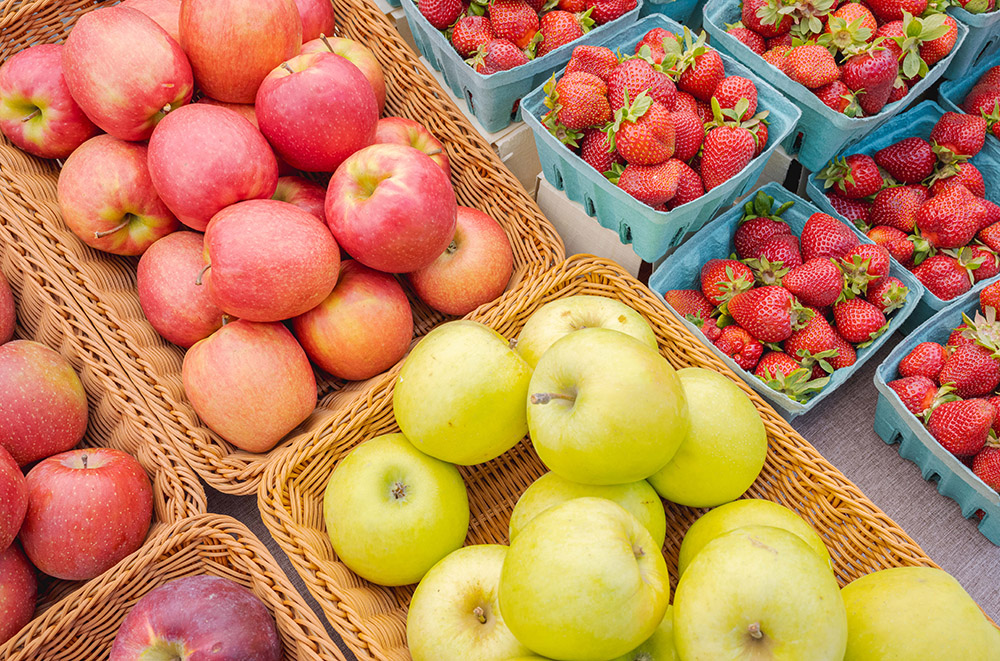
x,y
43,406
318,18
250,383
357,54
178,308
166,13
13,498
37,112
363,328
247,111
203,158
403,131
18,589
202,618
8,311
87,509
306,195
391,208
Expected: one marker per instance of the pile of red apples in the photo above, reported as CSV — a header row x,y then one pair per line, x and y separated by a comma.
x,y
253,267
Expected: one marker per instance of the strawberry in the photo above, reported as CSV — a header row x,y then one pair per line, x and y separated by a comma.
x,y
811,65
962,427
839,97
926,359
923,36
632,77
959,338
651,184
817,283
558,28
689,186
992,213
895,241
944,276
574,6
497,55
709,328
764,17
754,232
972,370
440,13
958,137
935,50
722,279
825,236
893,35
578,101
813,345
689,303
897,208
759,131
863,265
781,373
643,133
967,175
689,134
785,41
909,161
733,89
704,112
514,21
776,56
751,39
605,11
848,28
726,151
846,355
989,296
595,151
686,103
700,68
899,90
986,466
595,60
770,313
990,265
951,218
892,10
743,348
990,235
856,211
852,177
471,33
658,41
872,75
858,321
916,392
887,294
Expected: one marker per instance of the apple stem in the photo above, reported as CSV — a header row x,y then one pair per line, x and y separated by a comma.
x,y
480,614
452,247
83,460
201,273
433,153
326,42
512,343
755,631
284,65
118,228
167,108
34,113
546,397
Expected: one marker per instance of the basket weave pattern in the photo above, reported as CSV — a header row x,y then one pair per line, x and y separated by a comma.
x,y
83,626
371,618
103,286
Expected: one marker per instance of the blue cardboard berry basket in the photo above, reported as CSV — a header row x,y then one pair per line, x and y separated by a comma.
x,y
952,93
651,233
682,270
493,98
679,10
982,42
895,424
823,132
918,122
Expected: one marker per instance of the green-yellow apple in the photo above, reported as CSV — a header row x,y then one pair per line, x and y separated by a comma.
x,y
251,383
316,109
638,498
357,54
658,647
724,449
454,612
911,613
205,157
234,44
405,131
125,101
13,498
306,195
554,320
605,408
460,394
37,112
741,513
474,269
317,17
42,403
362,328
584,581
166,13
392,512
759,593
18,589
8,311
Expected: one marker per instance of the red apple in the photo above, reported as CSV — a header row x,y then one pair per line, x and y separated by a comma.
x,y
87,509
107,197
178,308
42,403
37,112
234,44
203,158
18,589
391,208
8,312
198,617
306,195
269,260
402,131
251,383
125,71
358,55
247,111
317,18
316,110
363,328
13,499
166,13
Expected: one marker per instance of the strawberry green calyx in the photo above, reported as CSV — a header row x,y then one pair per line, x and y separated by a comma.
x,y
807,16
680,57
874,336
800,315
549,5
628,113
894,297
584,19
856,276
808,359
984,330
844,37
945,393
798,385
532,48
478,8
916,32
767,272
773,12
835,172
614,173
922,248
551,119
762,206
967,259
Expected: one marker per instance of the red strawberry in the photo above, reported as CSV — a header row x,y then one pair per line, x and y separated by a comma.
x,y
958,338
659,41
514,21
811,65
595,60
574,6
709,328
813,345
989,296
992,212
578,101
887,294
851,24
470,33
990,235
990,265
926,359
817,282
700,68
986,466
722,279
726,151
909,161
558,28
897,208
916,392
776,56
864,264
689,303
958,136
852,177
781,373
759,131
858,321
856,211
893,35
764,17
895,241
605,11
739,345
753,233
733,89
892,10
846,355
689,132
753,41
785,41
825,236
595,151
689,186
643,133
899,90
440,13
972,370
651,184
962,427
632,77
951,218
936,50
944,276
686,103
968,175
770,314
839,97
871,75
497,55
704,112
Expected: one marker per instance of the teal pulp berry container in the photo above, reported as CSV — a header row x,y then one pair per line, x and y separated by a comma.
x,y
895,424
917,122
493,98
682,270
952,93
982,42
679,10
823,132
651,233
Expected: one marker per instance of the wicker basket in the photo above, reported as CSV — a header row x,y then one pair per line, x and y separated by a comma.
x,y
82,627
103,286
371,618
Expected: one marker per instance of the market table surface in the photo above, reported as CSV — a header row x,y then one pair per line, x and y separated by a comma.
x,y
842,431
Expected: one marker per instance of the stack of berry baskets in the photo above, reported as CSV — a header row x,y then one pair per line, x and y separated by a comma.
x,y
848,68
982,18
492,53
977,93
653,132
938,398
926,186
792,299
